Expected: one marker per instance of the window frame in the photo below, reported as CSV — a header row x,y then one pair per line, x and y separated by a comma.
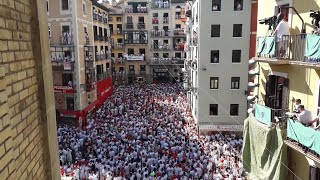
x,y
218,3
241,31
212,52
235,5
212,84
61,6
117,19
212,32
234,80
232,108
216,106
84,8
234,52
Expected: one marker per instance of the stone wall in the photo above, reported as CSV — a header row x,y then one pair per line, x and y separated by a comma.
x,y
27,116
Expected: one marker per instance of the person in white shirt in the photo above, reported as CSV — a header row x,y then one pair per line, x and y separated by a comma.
x,y
282,32
304,116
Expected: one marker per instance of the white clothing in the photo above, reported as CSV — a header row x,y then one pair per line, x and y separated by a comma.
x,y
304,117
283,29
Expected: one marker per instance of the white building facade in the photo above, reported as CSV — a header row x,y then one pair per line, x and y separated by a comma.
x,y
217,62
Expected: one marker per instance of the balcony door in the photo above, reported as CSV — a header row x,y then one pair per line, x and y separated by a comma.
x,y
277,94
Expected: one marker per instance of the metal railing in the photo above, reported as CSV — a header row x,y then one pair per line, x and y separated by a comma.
x,y
166,61
165,20
66,38
105,20
103,76
95,16
288,47
129,26
139,9
158,33
160,5
141,26
179,32
160,47
179,47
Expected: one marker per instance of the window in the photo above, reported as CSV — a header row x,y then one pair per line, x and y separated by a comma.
x,y
178,26
47,6
110,18
155,15
214,82
213,109
65,5
216,5
129,19
237,30
119,55
177,55
85,30
234,109
70,103
130,51
235,82
141,20
142,67
112,55
84,8
156,55
142,51
236,56
215,30
66,28
131,67
238,5
119,19
214,56
165,55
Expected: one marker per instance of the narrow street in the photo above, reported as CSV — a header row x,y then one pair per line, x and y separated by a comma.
x,y
146,132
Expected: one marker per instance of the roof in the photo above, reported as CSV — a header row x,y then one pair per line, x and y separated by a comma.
x,y
99,5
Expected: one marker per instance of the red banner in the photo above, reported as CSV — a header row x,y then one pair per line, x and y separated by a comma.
x,y
63,89
104,88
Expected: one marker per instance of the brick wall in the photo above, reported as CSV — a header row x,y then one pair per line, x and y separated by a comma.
x,y
24,146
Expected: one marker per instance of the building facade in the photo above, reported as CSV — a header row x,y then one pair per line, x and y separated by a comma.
x,y
167,45
136,41
28,136
78,42
217,62
288,72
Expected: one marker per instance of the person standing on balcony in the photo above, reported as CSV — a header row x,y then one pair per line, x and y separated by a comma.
x,y
304,116
282,32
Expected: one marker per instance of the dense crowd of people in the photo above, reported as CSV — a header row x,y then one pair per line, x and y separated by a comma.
x,y
147,132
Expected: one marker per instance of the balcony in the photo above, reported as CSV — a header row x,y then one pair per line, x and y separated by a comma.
x,y
100,18
117,46
62,65
266,115
66,38
179,47
303,139
141,26
118,31
105,20
301,49
133,57
178,32
100,56
86,40
135,41
160,5
98,38
167,61
165,20
131,73
95,16
90,86
140,9
143,72
103,76
105,38
89,65
155,20
129,26
178,16
165,47
158,33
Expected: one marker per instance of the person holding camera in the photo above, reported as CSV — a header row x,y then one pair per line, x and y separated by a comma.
x,y
282,33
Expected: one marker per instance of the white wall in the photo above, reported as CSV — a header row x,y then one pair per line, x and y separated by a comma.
x,y
224,96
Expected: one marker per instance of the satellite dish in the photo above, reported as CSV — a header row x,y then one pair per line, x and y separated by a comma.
x,y
253,73
252,62
250,110
252,85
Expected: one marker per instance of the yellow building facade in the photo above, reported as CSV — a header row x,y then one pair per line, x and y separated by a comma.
x,y
288,74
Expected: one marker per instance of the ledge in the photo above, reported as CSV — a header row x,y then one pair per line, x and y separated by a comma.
x,y
295,146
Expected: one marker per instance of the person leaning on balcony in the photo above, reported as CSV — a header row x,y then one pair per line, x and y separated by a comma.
x,y
282,32
315,120
304,116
